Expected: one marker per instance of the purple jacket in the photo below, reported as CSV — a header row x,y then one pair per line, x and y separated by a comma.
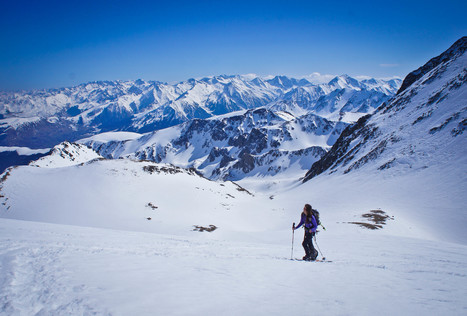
x,y
308,225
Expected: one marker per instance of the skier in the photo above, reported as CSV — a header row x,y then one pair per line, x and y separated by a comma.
x,y
310,225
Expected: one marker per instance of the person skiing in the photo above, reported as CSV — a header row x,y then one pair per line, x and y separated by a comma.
x,y
309,223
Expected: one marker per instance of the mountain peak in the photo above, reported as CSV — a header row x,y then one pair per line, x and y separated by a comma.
x,y
403,134
344,81
67,154
457,49
282,81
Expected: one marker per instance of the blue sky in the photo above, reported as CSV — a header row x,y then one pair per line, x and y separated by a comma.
x,y
47,44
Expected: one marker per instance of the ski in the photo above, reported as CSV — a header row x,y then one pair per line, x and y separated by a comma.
x,y
317,260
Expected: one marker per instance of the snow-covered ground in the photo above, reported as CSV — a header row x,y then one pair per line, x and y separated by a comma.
x,y
76,240
50,269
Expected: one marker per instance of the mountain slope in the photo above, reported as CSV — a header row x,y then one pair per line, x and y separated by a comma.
x,y
411,153
425,120
78,189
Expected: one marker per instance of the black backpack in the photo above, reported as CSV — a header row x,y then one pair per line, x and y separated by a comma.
x,y
316,215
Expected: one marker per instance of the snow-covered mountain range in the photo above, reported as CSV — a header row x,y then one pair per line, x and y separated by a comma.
x,y
257,142
83,233
44,118
297,122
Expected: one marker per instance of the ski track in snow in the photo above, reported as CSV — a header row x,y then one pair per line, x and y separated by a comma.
x,y
49,269
34,282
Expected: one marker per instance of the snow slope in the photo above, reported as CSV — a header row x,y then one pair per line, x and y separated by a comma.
x,y
50,269
414,146
66,154
422,126
118,194
77,239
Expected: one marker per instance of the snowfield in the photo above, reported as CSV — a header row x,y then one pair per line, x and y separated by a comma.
x,y
50,269
78,242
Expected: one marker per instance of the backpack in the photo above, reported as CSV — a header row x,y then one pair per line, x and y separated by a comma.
x,y
316,215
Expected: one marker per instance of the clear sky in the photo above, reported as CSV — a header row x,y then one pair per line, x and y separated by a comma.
x,y
47,44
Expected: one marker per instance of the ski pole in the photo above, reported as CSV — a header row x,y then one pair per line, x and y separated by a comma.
x,y
322,256
293,234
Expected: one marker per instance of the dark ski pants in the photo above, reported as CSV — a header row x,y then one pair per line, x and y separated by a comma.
x,y
308,246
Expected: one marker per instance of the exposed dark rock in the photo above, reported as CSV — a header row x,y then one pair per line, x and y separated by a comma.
x,y
448,120
387,165
460,128
246,163
338,150
151,169
209,229
376,220
372,155
257,140
225,161
422,117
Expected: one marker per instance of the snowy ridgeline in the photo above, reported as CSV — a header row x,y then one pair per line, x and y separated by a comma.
x,y
149,104
250,143
215,114
40,119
